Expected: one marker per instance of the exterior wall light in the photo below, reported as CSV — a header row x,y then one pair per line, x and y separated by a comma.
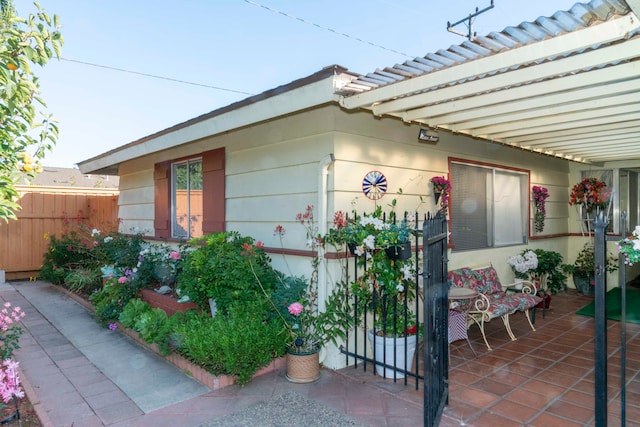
x,y
429,136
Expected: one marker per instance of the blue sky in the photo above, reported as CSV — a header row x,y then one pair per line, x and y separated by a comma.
x,y
237,45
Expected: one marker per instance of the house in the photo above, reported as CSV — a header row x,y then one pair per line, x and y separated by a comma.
x,y
545,103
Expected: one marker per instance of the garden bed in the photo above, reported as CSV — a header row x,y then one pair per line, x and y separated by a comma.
x,y
214,382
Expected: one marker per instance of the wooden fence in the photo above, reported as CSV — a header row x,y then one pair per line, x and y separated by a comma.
x,y
50,211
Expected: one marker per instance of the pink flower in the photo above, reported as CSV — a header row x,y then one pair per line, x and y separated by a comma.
x,y
259,244
296,308
174,255
122,279
10,381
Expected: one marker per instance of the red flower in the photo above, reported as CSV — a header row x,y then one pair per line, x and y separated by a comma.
x,y
412,330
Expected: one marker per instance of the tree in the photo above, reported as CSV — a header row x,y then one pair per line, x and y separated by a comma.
x,y
25,136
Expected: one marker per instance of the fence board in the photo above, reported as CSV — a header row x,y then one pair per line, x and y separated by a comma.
x,y
51,211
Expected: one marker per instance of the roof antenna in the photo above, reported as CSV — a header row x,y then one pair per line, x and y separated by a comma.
x,y
469,22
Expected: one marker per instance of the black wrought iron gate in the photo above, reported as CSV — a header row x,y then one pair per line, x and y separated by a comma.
x,y
436,317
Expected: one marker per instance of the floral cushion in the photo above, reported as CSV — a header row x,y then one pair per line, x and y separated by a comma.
x,y
526,301
503,304
485,280
489,276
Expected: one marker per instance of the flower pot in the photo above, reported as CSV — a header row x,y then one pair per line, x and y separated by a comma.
x,y
389,351
303,367
583,283
545,304
401,251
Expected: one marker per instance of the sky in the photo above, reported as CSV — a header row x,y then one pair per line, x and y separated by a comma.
x,y
103,96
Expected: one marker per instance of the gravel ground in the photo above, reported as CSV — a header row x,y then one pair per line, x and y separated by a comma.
x,y
288,409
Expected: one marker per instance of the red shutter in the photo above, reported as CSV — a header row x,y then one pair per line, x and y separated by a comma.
x,y
162,200
213,183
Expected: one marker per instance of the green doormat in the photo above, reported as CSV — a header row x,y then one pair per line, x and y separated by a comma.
x,y
614,311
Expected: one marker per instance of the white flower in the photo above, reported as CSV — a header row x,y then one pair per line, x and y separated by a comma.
x,y
95,232
108,239
407,271
399,287
370,242
523,263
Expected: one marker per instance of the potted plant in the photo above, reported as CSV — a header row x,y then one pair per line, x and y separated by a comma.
x,y
296,302
441,190
547,274
523,263
583,269
372,232
386,288
630,247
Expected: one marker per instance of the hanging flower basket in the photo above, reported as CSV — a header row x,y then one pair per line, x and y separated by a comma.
x,y
399,252
441,189
540,195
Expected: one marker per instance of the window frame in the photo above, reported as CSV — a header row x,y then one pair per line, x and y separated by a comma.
x,y
213,188
489,209
174,197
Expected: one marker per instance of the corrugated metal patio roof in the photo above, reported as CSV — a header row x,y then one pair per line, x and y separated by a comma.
x,y
567,85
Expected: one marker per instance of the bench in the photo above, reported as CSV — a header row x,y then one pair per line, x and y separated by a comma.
x,y
493,301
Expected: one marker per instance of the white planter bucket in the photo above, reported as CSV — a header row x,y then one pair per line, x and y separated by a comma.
x,y
394,352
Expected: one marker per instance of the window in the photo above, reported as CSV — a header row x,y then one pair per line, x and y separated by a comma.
x,y
489,206
180,186
186,199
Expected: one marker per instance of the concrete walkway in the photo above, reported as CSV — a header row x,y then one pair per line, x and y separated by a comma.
x,y
94,375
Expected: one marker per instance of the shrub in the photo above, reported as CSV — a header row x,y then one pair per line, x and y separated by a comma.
x,y
237,343
111,300
222,267
69,252
116,249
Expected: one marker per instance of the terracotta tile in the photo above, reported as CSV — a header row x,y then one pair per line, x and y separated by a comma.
x,y
570,411
534,400
520,412
475,397
547,420
493,420
579,398
546,389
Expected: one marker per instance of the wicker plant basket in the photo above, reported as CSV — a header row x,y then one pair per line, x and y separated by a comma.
x,y
303,367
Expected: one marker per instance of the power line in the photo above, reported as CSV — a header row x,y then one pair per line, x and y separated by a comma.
x,y
123,70
326,28
108,67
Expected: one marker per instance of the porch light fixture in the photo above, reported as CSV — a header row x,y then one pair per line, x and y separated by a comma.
x,y
428,136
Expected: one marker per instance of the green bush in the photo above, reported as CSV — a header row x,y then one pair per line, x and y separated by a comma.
x,y
64,254
116,249
228,268
550,263
130,313
111,300
150,324
238,343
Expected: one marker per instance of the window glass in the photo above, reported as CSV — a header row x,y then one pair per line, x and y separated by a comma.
x,y
489,207
186,199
